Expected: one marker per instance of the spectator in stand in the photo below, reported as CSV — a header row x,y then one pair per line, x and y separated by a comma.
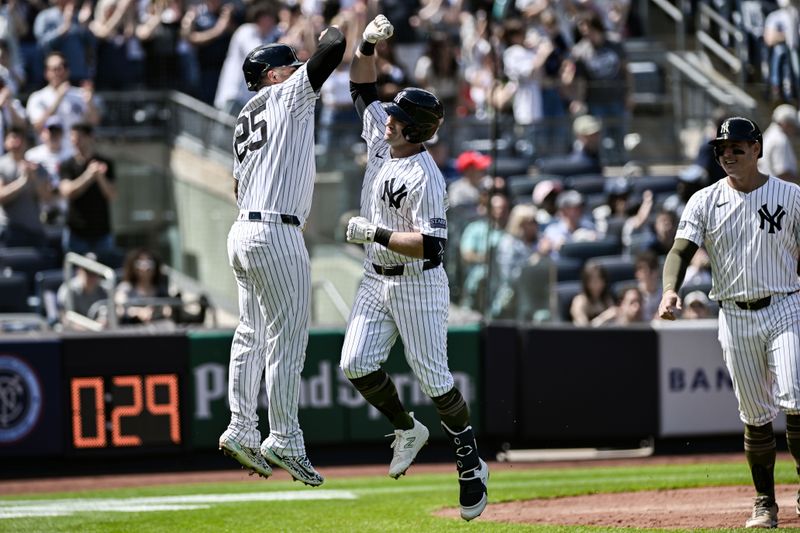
x,y
554,106
261,28
64,28
60,98
120,57
87,184
89,296
23,185
696,305
142,278
466,191
523,63
571,224
28,56
406,41
611,216
648,281
298,30
159,30
779,159
544,196
514,251
783,41
12,113
53,150
12,71
699,270
437,71
391,76
628,311
595,296
478,241
585,155
597,74
690,180
662,235
208,27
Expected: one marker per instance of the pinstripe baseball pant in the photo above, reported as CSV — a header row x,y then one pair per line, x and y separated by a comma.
x,y
412,306
762,353
271,265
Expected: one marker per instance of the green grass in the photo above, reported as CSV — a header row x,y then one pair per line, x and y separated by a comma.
x,y
381,504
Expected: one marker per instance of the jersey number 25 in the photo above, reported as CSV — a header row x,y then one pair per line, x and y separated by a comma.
x,y
249,124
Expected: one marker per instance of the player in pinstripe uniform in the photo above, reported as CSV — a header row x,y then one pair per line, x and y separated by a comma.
x,y
750,225
274,173
404,290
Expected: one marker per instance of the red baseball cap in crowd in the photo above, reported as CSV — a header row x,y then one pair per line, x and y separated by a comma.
x,y
472,159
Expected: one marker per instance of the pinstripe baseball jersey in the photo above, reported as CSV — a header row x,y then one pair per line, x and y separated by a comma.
x,y
281,179
400,194
752,239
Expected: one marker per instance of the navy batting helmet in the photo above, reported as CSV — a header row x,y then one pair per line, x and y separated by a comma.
x,y
738,129
264,57
420,111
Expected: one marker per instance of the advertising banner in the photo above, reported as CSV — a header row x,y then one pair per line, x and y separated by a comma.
x,y
331,410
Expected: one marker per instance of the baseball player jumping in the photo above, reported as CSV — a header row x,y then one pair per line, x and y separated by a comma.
x,y
274,172
404,290
750,225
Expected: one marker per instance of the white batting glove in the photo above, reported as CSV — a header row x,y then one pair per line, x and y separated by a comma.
x,y
360,230
379,29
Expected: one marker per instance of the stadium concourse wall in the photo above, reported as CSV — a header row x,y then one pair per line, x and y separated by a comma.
x,y
116,394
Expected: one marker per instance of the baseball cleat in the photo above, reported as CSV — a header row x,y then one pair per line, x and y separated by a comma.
x,y
473,495
299,467
765,514
249,458
407,443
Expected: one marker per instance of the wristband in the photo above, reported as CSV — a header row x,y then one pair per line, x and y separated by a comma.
x,y
382,236
366,48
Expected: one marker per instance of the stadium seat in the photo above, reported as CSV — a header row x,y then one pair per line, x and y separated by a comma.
x,y
587,183
14,288
533,290
520,186
702,287
27,261
565,292
583,250
657,184
568,269
618,267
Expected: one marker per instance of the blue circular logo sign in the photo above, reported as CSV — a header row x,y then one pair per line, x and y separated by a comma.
x,y
20,399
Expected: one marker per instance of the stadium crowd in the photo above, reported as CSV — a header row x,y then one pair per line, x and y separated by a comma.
x,y
558,68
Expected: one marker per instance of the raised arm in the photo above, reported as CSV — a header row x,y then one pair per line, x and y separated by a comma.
x,y
327,57
363,72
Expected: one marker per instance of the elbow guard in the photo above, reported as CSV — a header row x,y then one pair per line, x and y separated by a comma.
x,y
433,248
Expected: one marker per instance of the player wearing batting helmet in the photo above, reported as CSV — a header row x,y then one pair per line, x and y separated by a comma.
x,y
274,171
749,223
404,289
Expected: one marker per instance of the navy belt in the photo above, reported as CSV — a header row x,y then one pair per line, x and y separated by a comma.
x,y
397,270
286,219
755,305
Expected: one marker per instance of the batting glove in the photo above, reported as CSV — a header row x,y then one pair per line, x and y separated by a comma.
x,y
360,230
379,29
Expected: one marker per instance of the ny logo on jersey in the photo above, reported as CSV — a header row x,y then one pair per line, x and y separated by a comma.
x,y
394,196
773,219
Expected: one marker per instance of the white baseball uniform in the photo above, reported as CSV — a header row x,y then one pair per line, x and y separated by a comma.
x,y
753,242
400,295
275,168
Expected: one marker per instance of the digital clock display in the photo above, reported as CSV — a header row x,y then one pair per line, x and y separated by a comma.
x,y
125,411
125,395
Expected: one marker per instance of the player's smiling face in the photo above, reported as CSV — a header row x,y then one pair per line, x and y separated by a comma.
x,y
393,134
737,156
